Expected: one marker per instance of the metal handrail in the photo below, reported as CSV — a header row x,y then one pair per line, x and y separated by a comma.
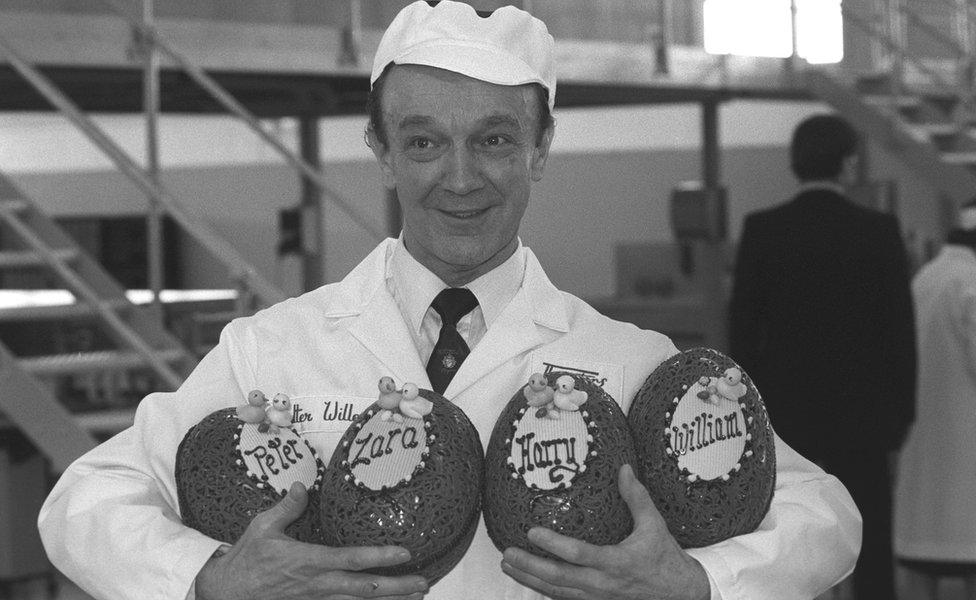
x,y
218,93
938,35
241,270
898,50
129,337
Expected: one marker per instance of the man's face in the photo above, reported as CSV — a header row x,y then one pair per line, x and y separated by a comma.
x,y
461,155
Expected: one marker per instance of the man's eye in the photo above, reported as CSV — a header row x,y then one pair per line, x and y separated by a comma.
x,y
420,143
495,140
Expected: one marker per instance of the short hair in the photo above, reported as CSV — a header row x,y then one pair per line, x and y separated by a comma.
x,y
819,146
374,109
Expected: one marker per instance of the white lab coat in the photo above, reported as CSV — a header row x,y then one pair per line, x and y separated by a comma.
x,y
111,524
935,516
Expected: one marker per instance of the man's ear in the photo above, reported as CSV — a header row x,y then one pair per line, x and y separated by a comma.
x,y
540,154
383,156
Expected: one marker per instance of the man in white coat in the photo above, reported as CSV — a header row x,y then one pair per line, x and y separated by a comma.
x,y
461,127
935,522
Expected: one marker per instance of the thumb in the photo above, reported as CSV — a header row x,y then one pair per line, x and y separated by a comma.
x,y
287,510
642,508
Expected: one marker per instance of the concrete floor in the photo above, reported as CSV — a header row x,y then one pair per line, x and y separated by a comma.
x,y
950,589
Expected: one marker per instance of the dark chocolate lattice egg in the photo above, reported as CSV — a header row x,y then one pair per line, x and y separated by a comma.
x,y
411,481
705,447
552,465
228,471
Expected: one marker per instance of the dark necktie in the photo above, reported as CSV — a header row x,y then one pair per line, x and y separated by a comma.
x,y
450,351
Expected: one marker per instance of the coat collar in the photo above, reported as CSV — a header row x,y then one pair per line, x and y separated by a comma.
x,y
536,314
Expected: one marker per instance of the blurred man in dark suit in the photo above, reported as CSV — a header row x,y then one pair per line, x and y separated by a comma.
x,y
821,318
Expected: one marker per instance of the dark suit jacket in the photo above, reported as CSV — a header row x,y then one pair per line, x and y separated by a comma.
x,y
821,318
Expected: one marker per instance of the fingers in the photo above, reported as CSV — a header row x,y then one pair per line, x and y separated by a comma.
x,y
544,587
363,585
552,578
569,549
359,558
287,510
642,509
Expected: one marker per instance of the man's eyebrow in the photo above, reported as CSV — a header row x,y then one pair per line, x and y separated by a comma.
x,y
500,120
415,121
496,120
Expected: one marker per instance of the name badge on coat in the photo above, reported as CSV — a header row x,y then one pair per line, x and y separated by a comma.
x,y
322,419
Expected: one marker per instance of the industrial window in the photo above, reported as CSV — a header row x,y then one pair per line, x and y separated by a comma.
x,y
764,28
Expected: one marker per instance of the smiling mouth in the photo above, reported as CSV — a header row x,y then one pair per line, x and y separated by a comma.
x,y
465,214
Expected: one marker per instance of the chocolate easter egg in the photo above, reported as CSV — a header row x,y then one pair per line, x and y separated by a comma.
x,y
705,447
554,463
411,481
228,471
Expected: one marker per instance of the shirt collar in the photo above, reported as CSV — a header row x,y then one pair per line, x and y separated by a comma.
x,y
958,252
821,184
414,286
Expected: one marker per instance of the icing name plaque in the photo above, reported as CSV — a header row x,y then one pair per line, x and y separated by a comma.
x,y
385,452
707,437
548,453
276,459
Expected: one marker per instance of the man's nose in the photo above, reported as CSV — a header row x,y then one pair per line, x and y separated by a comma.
x,y
461,171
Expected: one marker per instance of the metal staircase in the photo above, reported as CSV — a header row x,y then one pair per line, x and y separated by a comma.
x,y
919,107
917,127
42,362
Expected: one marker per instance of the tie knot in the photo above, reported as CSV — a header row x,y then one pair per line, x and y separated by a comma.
x,y
453,303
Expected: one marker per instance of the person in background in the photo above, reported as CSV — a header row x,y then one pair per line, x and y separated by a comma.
x,y
460,124
821,319
935,514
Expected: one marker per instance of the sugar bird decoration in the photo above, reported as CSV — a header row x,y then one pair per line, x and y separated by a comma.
x,y
729,386
565,396
279,412
253,411
538,394
268,415
406,402
389,399
412,404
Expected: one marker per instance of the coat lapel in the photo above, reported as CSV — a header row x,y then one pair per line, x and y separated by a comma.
x,y
381,330
377,323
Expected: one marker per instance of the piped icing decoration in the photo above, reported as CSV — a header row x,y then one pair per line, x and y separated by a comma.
x,y
551,436
707,429
276,459
391,442
706,451
227,472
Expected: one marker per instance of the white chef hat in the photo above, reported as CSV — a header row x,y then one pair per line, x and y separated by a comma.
x,y
507,47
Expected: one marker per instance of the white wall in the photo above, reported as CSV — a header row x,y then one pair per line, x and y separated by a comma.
x,y
608,181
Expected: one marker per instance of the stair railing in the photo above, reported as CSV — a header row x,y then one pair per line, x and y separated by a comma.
x,y
232,105
890,30
130,338
241,271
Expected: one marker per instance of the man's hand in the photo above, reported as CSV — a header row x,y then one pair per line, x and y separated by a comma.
x,y
647,564
266,563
